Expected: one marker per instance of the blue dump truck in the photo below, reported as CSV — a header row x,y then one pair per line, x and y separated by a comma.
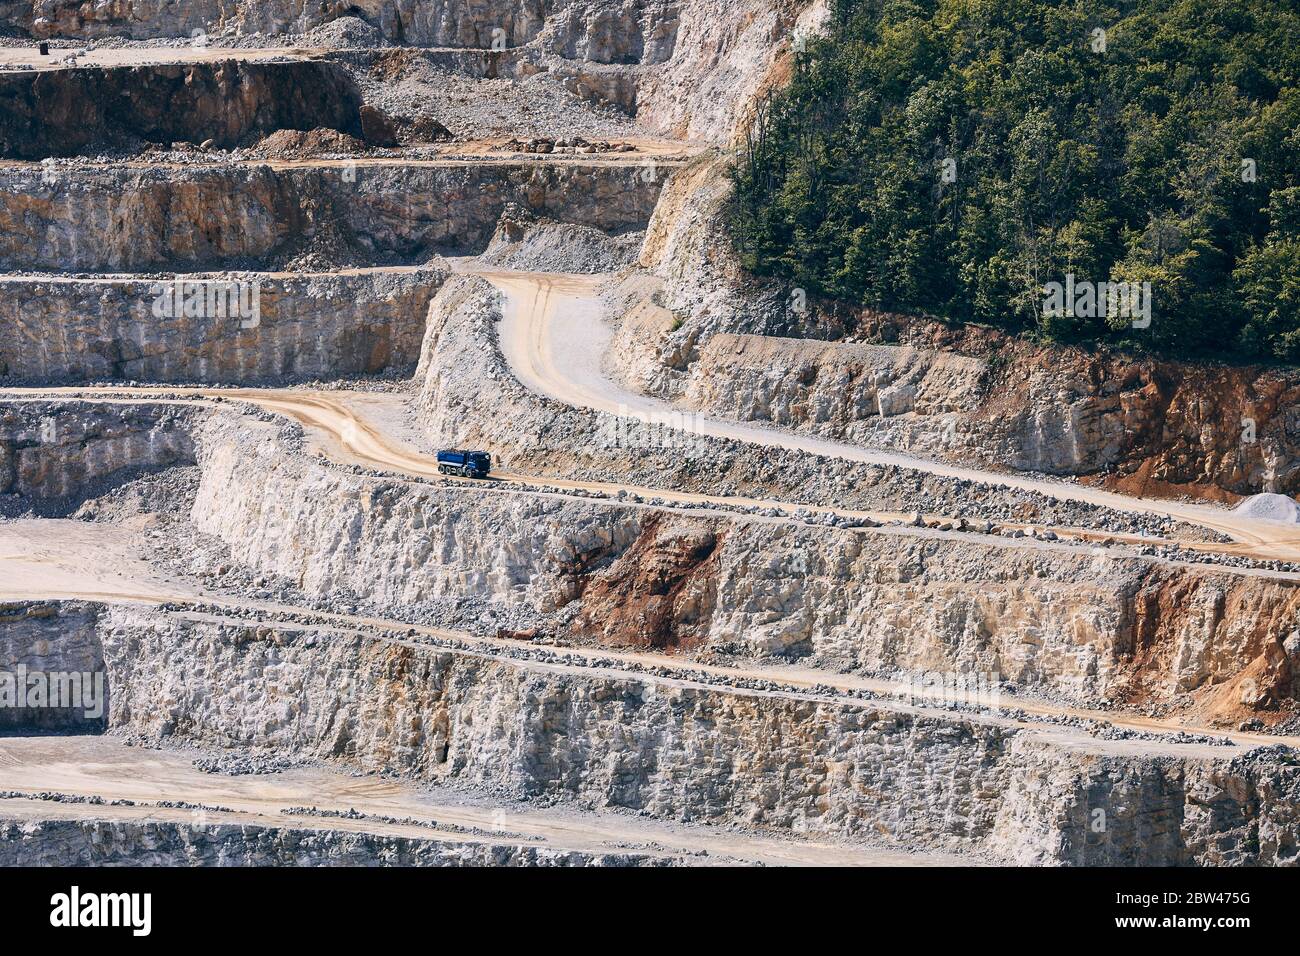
x,y
467,464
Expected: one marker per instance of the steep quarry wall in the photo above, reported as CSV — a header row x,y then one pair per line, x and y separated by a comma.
x,y
725,58
81,330
1149,426
846,391
60,112
684,751
96,219
622,31
53,454
1146,426
154,842
1091,627
48,639
396,543
696,68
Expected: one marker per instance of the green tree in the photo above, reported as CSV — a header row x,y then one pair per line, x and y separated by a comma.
x,y
951,157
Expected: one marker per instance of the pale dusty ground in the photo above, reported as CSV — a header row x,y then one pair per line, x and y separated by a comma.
x,y
19,280
448,156
11,57
53,559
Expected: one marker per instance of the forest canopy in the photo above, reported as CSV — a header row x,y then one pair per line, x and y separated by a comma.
x,y
955,157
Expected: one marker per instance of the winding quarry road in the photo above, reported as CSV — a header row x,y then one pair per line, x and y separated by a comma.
x,y
254,692
553,337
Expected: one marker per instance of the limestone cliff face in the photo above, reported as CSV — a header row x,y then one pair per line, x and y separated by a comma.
x,y
86,330
53,639
679,750
624,31
1211,822
849,392
59,112
52,454
395,542
154,842
725,58
1053,617
1058,617
242,216
1145,426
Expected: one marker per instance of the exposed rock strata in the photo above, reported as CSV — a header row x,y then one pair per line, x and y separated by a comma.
x,y
688,752
722,63
51,638
1144,426
80,330
53,454
1062,619
83,219
60,112
689,69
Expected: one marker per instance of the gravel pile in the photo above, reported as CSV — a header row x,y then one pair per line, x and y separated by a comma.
x,y
534,244
240,764
541,106
1269,507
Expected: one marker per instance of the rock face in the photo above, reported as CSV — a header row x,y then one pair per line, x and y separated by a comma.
x,y
250,216
78,330
724,59
59,112
60,642
674,749
699,65
1145,425
169,843
1056,618
810,385
54,454
624,31
438,549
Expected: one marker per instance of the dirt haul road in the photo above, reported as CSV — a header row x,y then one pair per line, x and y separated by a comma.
x,y
30,58
553,337
148,780
346,427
